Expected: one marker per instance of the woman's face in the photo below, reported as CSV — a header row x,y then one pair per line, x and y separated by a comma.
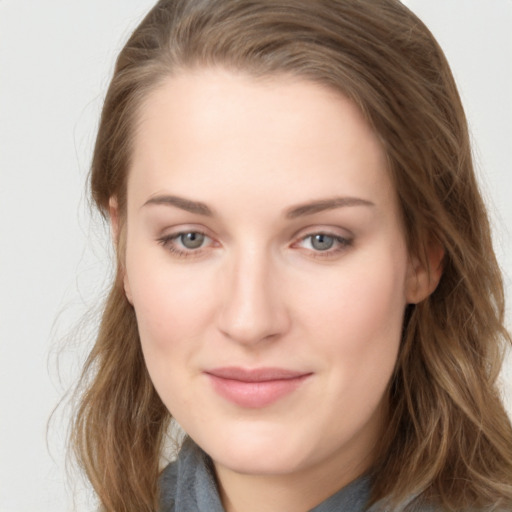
x,y
266,262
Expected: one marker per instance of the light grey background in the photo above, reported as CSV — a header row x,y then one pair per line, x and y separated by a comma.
x,y
55,60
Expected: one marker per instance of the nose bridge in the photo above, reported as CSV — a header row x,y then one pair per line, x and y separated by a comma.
x,y
252,307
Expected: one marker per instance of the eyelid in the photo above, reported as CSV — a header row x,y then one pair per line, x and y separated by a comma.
x,y
334,231
327,228
170,231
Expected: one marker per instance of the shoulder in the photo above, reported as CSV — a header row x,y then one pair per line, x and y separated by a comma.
x,y
418,504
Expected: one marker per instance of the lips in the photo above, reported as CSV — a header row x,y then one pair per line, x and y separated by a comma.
x,y
255,388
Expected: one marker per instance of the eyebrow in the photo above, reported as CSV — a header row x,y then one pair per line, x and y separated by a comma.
x,y
180,202
300,210
325,204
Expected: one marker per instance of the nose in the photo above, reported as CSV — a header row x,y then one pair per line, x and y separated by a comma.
x,y
253,307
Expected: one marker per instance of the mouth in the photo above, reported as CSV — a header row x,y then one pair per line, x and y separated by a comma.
x,y
255,388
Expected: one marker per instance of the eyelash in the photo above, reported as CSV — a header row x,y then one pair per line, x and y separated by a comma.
x,y
342,244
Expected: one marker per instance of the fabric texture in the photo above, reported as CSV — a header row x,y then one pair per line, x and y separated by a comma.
x,y
188,485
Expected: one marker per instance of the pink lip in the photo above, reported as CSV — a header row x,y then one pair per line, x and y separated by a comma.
x,y
255,388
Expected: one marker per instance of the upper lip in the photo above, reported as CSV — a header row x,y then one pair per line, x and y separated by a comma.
x,y
256,374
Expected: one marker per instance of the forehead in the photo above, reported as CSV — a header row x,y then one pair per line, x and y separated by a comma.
x,y
204,130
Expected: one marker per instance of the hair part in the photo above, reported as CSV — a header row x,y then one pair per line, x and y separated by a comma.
x,y
449,438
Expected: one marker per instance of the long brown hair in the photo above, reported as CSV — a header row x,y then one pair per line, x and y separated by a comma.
x,y
449,438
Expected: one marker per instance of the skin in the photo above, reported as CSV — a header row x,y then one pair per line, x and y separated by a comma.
x,y
257,292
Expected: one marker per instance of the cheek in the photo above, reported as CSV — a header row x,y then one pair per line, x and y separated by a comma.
x,y
357,317
358,331
170,302
173,309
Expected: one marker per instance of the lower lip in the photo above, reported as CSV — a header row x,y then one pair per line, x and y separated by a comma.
x,y
255,395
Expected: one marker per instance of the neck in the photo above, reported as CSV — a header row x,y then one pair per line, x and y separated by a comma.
x,y
299,491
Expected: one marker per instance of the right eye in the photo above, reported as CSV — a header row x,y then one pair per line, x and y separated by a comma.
x,y
185,243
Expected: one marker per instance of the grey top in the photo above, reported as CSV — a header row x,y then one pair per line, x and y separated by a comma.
x,y
188,485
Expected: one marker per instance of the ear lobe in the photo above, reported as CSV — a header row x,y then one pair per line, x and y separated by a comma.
x,y
423,279
113,210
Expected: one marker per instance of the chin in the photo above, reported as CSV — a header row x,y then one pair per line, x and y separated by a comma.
x,y
262,451
259,462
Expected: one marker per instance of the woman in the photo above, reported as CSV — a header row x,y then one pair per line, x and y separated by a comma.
x,y
305,276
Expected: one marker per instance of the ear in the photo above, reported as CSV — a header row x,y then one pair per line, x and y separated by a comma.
x,y
113,210
422,278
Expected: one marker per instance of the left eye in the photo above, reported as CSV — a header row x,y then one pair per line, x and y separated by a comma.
x,y
323,242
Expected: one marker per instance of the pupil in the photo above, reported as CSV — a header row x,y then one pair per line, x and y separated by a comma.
x,y
322,242
192,240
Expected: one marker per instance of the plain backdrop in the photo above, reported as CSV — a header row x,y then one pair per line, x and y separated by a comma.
x,y
55,61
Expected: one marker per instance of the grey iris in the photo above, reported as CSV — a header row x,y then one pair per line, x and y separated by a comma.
x,y
192,240
322,242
